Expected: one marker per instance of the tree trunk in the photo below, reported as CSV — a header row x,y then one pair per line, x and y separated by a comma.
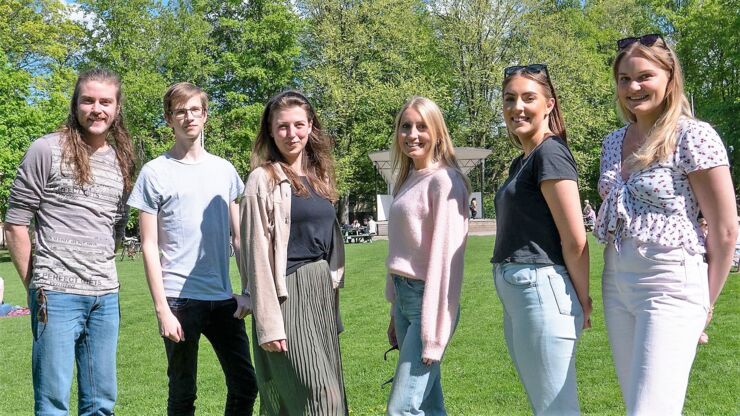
x,y
343,209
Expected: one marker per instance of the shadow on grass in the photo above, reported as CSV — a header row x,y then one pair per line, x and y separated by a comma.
x,y
5,256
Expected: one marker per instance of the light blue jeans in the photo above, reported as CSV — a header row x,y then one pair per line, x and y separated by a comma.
x,y
542,321
417,388
78,327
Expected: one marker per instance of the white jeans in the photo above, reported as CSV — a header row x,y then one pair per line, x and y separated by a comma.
x,y
656,301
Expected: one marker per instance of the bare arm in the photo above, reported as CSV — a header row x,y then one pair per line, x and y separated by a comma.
x,y
236,240
19,244
716,196
564,203
243,302
169,326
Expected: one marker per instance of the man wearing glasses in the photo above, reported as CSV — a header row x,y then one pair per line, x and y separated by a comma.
x,y
72,184
188,211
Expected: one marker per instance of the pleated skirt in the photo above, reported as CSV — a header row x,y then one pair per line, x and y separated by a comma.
x,y
306,380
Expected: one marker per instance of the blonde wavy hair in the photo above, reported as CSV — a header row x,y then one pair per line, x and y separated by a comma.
x,y
662,138
442,149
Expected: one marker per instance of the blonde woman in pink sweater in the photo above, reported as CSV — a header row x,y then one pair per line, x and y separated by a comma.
x,y
428,226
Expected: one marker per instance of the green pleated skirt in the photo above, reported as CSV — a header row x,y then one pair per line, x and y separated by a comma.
x,y
306,380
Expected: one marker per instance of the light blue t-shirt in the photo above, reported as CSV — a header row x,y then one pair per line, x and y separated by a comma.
x,y
191,202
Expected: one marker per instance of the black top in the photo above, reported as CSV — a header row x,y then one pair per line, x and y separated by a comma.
x,y
311,229
525,229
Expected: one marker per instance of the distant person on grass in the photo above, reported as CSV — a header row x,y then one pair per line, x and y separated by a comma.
x,y
293,255
657,172
188,210
540,258
73,185
427,233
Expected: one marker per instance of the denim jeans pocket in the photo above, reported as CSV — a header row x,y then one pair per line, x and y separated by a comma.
x,y
520,276
414,285
177,304
564,294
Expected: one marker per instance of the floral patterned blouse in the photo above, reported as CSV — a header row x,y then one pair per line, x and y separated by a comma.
x,y
656,204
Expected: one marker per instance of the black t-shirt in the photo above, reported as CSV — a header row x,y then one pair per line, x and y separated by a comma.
x,y
525,229
311,229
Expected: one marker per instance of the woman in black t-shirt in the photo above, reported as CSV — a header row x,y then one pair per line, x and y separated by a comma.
x,y
541,253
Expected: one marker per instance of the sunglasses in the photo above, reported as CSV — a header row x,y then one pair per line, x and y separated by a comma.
x,y
41,315
385,358
530,69
647,40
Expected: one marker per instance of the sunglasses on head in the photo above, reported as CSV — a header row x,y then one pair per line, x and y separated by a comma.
x,y
530,69
647,40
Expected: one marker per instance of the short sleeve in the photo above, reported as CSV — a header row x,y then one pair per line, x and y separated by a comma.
x,y
29,184
700,147
146,194
237,185
554,160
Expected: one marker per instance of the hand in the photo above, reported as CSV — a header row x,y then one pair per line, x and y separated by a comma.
x,y
275,346
169,327
704,338
428,361
392,333
243,306
587,309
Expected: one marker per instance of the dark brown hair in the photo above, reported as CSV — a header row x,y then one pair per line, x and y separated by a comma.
x,y
75,152
555,119
318,163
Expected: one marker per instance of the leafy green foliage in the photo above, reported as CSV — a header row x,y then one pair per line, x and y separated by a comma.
x,y
358,61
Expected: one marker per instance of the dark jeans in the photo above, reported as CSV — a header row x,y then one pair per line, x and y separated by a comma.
x,y
215,320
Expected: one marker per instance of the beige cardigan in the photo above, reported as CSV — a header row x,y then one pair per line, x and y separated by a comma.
x,y
265,230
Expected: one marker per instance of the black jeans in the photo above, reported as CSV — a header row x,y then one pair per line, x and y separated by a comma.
x,y
215,320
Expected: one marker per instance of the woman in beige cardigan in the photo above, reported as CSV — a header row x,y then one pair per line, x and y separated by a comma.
x,y
293,257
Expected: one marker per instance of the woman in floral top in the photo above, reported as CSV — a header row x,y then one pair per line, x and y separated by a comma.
x,y
657,173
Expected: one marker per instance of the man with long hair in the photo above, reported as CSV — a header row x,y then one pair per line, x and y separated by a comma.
x,y
72,185
187,203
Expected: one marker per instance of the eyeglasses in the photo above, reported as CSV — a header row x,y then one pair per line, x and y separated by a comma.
x,y
196,112
647,40
530,69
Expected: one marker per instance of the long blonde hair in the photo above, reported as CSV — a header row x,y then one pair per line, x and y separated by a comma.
x,y
318,162
442,149
661,140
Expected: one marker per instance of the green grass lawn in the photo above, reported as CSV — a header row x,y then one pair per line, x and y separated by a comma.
x,y
478,377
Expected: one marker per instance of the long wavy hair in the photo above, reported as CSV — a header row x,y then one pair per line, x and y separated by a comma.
x,y
555,119
662,138
318,162
76,153
442,148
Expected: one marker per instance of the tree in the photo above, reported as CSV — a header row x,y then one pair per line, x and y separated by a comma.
x,y
362,60
37,42
478,39
707,45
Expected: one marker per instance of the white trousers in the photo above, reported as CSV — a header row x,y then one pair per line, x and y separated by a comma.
x,y
656,301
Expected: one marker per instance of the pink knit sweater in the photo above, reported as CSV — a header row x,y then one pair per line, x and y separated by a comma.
x,y
427,232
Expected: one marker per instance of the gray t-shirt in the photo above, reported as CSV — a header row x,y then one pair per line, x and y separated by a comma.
x,y
191,202
76,226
